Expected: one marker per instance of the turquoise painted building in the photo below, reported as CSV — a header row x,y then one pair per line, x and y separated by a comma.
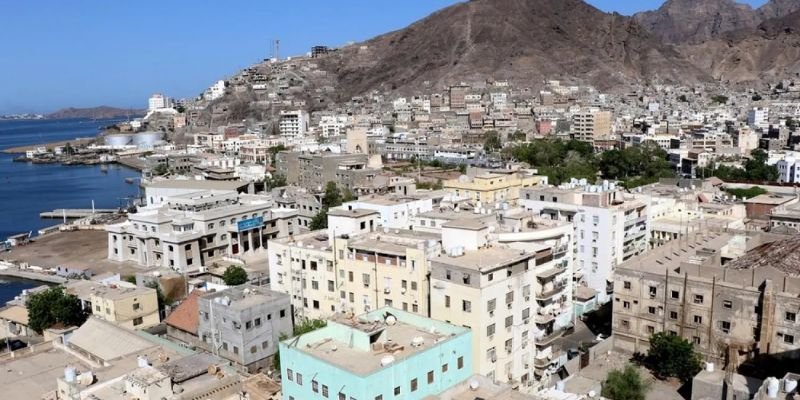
x,y
382,355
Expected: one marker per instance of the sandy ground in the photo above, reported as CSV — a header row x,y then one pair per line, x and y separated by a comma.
x,y
79,248
22,149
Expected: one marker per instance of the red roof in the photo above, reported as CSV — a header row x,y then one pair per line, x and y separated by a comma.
x,y
186,316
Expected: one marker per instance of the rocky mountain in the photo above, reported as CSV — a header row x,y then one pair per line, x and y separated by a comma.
x,y
769,51
695,21
102,112
520,40
679,21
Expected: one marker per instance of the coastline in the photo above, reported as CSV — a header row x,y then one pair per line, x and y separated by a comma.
x,y
23,149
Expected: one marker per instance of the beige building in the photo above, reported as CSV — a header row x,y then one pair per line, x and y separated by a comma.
x,y
354,267
589,125
491,188
126,305
733,295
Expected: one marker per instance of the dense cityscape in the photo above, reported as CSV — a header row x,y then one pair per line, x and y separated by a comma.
x,y
492,238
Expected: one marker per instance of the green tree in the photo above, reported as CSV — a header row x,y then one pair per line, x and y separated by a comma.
x,y
273,152
308,325
274,181
492,142
673,356
719,99
752,191
625,384
54,306
320,221
160,169
68,149
332,197
234,275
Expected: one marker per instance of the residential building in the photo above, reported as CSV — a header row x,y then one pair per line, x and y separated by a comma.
x,y
458,94
396,210
592,124
732,295
758,117
515,295
762,205
131,307
294,124
243,324
788,170
785,218
493,188
215,91
332,125
314,170
158,101
255,153
353,267
609,228
384,354
193,230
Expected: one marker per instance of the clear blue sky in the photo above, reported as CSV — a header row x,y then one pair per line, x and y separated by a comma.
x,y
97,52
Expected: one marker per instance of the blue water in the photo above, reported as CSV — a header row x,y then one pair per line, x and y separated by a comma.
x,y
11,287
27,189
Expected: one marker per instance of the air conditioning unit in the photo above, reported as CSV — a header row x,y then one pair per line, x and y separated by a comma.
x,y
387,290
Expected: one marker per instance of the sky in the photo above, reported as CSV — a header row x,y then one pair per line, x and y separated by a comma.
x,y
89,53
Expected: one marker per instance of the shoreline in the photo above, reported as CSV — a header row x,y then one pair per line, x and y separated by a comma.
x,y
13,272
25,148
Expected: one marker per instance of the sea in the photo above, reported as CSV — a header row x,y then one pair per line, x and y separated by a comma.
x,y
27,189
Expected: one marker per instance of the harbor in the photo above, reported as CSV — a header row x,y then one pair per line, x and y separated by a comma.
x,y
75,213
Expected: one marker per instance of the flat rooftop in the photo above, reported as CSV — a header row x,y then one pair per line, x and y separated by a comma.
x,y
395,241
486,259
356,213
196,184
246,296
772,199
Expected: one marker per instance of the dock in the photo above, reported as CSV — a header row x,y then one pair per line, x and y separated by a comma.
x,y
74,213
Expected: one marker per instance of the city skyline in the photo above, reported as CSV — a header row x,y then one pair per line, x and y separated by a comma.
x,y
116,55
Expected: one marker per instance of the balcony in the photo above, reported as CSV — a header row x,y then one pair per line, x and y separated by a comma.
x,y
544,362
635,220
549,294
542,319
548,338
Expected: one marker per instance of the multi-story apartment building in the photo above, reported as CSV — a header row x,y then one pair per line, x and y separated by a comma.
x,y
491,188
294,124
397,211
244,324
131,307
786,218
188,231
307,203
355,266
384,354
609,228
588,125
332,125
516,297
458,94
733,295
158,101
314,170
255,152
758,117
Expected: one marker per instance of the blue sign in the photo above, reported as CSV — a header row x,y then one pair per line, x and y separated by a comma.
x,y
251,223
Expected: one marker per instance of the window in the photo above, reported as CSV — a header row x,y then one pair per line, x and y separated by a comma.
x,y
325,391
248,325
414,385
626,305
258,322
698,299
460,362
651,310
696,339
651,329
397,391
137,321
698,319
447,301
265,344
299,379
725,326
283,313
491,305
342,396
466,306
626,285
136,306
430,377
490,330
676,294
379,397
509,297
625,324
444,368
509,321
652,291
315,386
673,315
727,304
790,316
253,349
290,374
789,339
413,283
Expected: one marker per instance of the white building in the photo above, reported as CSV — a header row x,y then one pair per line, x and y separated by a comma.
x,y
216,91
396,212
158,101
609,229
788,170
758,117
294,124
332,125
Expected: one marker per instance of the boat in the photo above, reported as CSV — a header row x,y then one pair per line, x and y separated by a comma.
x,y
129,181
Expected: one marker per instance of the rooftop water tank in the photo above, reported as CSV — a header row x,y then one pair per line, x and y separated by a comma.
x,y
773,385
69,374
386,360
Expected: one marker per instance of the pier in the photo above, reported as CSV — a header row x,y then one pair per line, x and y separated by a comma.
x,y
74,213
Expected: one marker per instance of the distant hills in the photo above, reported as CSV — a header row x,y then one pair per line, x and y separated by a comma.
x,y
102,112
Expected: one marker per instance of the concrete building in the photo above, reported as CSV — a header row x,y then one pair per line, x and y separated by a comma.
x,y
609,228
458,94
215,91
353,267
158,101
785,218
131,307
788,170
332,125
758,117
193,230
733,295
516,296
244,324
588,125
384,354
294,124
314,170
396,211
493,188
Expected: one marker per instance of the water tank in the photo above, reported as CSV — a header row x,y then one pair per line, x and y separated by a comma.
x,y
142,362
474,385
560,386
417,341
773,385
391,320
147,139
386,360
710,367
118,139
789,385
86,378
69,374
